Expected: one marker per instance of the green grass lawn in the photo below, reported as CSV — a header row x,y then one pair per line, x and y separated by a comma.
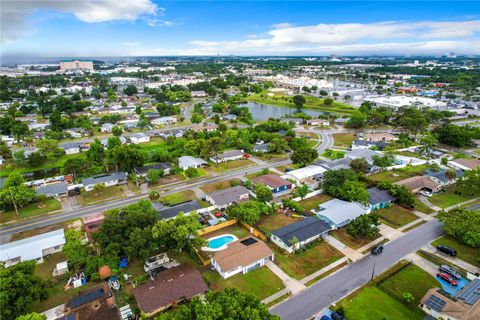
x,y
422,207
221,185
303,264
89,197
448,198
235,229
31,210
333,154
313,202
396,216
230,165
312,103
343,139
275,221
348,240
464,252
397,175
179,197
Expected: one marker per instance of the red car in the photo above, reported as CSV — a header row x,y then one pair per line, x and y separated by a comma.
x,y
445,276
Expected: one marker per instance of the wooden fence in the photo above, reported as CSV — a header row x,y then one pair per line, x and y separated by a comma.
x,y
217,227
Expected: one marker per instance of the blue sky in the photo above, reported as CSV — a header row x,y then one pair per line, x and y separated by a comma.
x,y
147,27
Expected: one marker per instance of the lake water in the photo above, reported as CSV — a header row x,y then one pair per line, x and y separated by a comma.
x,y
262,112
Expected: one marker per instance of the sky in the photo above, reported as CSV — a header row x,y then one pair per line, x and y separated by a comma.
x,y
58,28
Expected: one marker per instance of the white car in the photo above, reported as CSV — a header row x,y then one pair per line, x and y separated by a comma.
x,y
426,193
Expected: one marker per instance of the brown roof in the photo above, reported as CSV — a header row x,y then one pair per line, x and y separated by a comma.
x,y
238,254
379,136
469,163
170,286
418,182
271,180
456,309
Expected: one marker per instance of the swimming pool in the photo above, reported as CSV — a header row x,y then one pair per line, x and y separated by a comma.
x,y
219,242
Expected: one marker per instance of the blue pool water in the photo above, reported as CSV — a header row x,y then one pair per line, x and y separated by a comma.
x,y
452,290
218,242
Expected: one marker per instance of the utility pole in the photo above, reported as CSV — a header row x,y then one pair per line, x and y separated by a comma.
x,y
13,200
373,270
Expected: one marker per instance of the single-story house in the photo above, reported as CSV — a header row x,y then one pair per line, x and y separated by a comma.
x,y
338,213
306,174
92,304
465,164
226,197
441,177
199,94
367,154
72,147
229,117
263,147
139,138
169,212
367,144
295,121
274,182
107,127
142,171
163,121
343,163
131,123
379,198
169,287
104,142
33,248
379,136
241,256
92,223
420,183
204,126
177,133
230,155
318,122
304,231
53,190
113,179
186,162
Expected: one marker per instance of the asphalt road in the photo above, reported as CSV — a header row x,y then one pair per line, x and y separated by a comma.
x,y
331,289
46,220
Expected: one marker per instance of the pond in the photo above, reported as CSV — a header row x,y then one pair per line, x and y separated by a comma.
x,y
262,112
42,174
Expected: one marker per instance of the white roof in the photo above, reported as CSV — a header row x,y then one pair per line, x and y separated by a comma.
x,y
31,248
187,161
339,211
306,172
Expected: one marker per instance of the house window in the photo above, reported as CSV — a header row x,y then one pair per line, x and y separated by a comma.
x,y
56,247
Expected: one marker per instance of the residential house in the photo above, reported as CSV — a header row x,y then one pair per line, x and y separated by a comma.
x,y
199,94
379,198
380,136
128,124
177,133
343,163
107,127
104,142
72,147
417,184
367,154
97,303
1,160
170,287
310,174
338,213
230,155
368,144
53,190
113,179
169,212
303,231
204,126
33,248
139,138
274,182
465,164
92,223
440,176
226,197
241,256
142,171
263,147
229,117
318,122
163,121
465,305
186,162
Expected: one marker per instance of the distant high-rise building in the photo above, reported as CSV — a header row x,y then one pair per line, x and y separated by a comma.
x,y
452,55
76,65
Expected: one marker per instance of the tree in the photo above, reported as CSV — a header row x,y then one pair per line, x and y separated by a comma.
x,y
126,157
154,196
264,193
293,205
365,225
76,249
408,297
130,90
294,242
196,118
178,233
301,191
14,193
344,184
49,148
427,142
278,145
357,120
299,101
457,136
359,165
218,305
469,183
192,172
450,174
304,156
20,287
117,131
32,316
96,152
328,101
462,224
353,191
383,162
153,175
78,167
411,120
248,212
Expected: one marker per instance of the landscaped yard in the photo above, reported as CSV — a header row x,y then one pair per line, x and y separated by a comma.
x,y
422,207
313,202
343,139
89,197
235,229
30,210
275,221
221,185
448,198
37,231
348,240
300,265
464,252
333,154
397,175
178,197
396,216
230,165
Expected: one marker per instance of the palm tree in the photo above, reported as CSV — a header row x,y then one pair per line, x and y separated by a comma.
x,y
154,196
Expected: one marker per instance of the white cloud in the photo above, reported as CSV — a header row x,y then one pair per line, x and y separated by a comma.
x,y
131,44
281,25
14,13
153,22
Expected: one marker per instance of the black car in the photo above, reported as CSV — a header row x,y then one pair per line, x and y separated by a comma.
x,y
337,316
447,250
445,268
377,249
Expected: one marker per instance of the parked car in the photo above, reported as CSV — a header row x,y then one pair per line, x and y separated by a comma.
x,y
324,317
445,268
426,193
337,316
447,250
377,249
445,276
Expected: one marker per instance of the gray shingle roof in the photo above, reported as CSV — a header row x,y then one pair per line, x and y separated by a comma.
x,y
56,188
173,211
302,230
104,178
379,196
155,166
229,195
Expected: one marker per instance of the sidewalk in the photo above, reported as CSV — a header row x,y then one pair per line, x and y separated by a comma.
x,y
294,286
323,270
428,203
347,251
423,263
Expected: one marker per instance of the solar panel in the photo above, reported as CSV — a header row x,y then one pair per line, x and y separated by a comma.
x,y
471,293
86,298
248,241
435,303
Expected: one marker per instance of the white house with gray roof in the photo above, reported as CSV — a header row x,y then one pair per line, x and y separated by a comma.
x,y
338,213
113,179
223,198
186,162
53,190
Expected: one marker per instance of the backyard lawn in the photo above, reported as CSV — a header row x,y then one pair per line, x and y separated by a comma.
x,y
30,210
179,197
464,252
300,265
333,154
230,165
221,185
235,229
89,197
448,198
398,174
313,202
348,240
343,139
271,222
422,207
396,216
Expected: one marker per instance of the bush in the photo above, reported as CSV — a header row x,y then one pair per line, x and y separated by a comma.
x,y
192,172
